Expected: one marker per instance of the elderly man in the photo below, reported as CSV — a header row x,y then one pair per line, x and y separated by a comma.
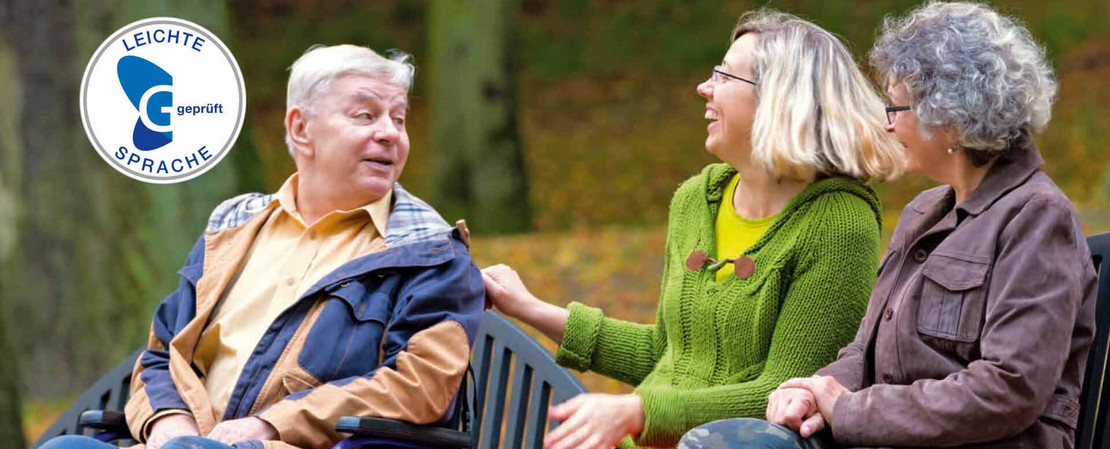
x,y
341,294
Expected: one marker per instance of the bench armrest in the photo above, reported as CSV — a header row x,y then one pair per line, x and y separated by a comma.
x,y
104,420
428,435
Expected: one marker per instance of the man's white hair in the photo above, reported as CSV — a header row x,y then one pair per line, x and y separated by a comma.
x,y
312,73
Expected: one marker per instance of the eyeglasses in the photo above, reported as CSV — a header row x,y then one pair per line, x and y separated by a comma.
x,y
719,75
892,112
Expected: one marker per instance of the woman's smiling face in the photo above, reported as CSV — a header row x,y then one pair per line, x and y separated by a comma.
x,y
730,103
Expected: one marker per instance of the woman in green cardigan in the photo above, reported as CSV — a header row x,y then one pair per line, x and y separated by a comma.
x,y
770,256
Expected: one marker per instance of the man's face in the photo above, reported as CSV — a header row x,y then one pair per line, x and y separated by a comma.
x,y
356,130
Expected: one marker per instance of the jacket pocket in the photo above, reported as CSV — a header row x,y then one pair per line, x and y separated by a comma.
x,y
346,338
953,297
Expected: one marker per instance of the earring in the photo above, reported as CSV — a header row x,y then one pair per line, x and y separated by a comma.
x,y
951,151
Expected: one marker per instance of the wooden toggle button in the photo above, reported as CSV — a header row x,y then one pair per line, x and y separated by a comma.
x,y
696,260
744,266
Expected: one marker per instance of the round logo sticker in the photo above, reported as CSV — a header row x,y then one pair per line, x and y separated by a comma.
x,y
162,100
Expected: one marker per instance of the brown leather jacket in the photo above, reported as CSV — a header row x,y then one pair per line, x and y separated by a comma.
x,y
979,326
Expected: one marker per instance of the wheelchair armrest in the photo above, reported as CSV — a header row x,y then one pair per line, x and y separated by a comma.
x,y
104,420
429,435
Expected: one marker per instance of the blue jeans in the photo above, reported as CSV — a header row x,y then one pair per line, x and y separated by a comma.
x,y
749,433
83,442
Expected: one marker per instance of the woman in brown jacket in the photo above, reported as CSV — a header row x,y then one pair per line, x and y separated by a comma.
x,y
978,329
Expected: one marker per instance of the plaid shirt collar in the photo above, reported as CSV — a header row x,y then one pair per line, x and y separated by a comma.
x,y
411,219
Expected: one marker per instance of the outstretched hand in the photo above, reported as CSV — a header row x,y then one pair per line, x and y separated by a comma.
x,y
595,421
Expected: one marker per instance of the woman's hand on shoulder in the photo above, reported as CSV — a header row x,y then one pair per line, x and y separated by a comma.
x,y
506,291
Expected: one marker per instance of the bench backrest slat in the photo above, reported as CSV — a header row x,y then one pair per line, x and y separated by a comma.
x,y
517,379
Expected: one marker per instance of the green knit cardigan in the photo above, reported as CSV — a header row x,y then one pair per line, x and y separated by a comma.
x,y
717,350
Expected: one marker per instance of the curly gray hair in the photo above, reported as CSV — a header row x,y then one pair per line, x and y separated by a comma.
x,y
969,69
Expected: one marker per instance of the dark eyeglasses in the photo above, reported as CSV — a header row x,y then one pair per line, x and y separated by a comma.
x,y
716,77
892,112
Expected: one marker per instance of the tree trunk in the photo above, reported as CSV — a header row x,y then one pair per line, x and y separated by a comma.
x,y
11,425
92,251
477,163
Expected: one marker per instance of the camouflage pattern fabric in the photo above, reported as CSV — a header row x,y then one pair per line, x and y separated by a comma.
x,y
748,433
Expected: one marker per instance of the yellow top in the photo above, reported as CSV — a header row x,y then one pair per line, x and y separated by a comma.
x,y
735,234
285,259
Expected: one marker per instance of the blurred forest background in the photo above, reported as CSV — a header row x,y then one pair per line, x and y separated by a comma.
x,y
597,97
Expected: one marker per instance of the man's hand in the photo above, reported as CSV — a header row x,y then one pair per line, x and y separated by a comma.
x,y
243,429
169,427
795,408
595,421
825,390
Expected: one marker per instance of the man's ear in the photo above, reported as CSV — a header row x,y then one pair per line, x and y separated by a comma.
x,y
296,124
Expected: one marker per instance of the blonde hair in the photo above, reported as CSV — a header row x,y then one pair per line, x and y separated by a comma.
x,y
312,73
816,112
